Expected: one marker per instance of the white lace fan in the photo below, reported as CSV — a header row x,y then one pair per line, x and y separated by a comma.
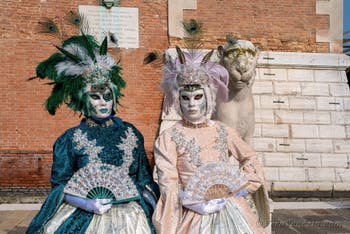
x,y
213,180
100,180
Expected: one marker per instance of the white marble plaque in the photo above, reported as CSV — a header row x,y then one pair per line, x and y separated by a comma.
x,y
123,22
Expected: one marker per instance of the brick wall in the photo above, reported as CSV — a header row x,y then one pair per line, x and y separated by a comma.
x,y
271,24
26,129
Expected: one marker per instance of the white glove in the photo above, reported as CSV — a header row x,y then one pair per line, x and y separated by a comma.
x,y
242,193
97,206
208,207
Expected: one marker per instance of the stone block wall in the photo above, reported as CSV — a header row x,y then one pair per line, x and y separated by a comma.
x,y
302,121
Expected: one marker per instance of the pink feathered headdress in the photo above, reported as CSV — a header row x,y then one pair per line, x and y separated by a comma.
x,y
193,68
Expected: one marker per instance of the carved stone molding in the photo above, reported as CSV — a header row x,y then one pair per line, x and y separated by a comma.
x,y
175,15
334,35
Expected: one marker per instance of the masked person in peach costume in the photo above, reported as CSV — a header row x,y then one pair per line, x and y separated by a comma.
x,y
206,172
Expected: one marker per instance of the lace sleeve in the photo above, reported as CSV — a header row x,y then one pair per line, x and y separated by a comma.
x,y
167,213
248,161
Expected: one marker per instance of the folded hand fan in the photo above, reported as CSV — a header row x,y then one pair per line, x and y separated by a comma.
x,y
212,181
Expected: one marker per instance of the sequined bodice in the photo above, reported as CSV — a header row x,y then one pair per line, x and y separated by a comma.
x,y
106,145
197,147
104,157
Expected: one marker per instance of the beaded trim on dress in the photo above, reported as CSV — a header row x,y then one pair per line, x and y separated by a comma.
x,y
101,180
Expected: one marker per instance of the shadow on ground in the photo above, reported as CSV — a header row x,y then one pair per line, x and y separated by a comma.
x,y
315,221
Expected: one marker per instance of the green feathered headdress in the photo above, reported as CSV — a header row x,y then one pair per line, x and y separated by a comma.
x,y
80,66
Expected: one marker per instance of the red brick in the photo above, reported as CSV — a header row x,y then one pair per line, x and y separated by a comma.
x,y
25,127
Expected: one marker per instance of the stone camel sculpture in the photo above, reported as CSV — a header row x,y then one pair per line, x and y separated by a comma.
x,y
239,57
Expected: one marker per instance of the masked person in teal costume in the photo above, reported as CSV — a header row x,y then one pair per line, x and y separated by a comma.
x,y
101,179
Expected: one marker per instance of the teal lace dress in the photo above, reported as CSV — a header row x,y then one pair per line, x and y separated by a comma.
x,y
115,143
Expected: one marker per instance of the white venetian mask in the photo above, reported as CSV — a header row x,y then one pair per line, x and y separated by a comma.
x,y
101,104
193,105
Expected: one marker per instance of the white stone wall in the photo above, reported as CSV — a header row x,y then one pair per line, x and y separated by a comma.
x,y
302,134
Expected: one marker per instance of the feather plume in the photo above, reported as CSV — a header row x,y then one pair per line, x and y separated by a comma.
x,y
68,54
32,78
80,61
206,58
104,47
192,27
231,40
78,20
48,26
193,34
113,37
76,50
47,67
55,99
89,46
151,57
181,56
74,18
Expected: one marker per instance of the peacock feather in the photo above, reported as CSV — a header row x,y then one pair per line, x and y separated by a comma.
x,y
74,18
192,27
193,35
48,26
231,40
80,60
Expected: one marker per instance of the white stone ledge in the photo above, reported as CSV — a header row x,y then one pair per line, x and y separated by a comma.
x,y
302,186
9,207
310,205
304,60
342,187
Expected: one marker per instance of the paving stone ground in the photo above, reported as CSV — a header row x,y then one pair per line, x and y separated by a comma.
x,y
284,221
15,222
311,221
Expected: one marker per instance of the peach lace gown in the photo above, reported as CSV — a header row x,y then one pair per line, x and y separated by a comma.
x,y
179,151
